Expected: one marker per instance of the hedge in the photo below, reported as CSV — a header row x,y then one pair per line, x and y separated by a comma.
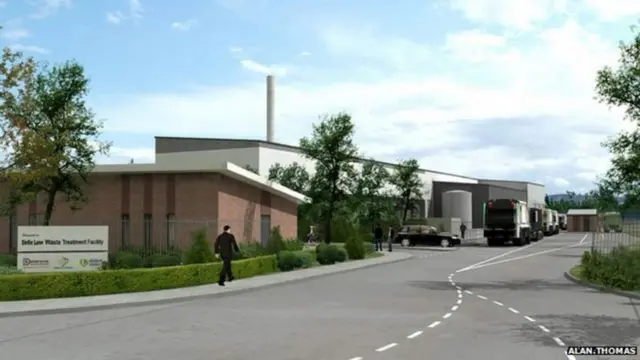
x,y
619,269
92,283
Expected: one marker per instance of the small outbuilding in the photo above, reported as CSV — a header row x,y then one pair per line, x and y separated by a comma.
x,y
582,220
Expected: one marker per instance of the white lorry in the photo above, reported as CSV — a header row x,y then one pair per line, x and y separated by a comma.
x,y
556,222
547,221
507,220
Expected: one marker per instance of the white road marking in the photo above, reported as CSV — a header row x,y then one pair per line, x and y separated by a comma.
x,y
543,328
415,334
482,297
459,302
530,318
454,284
468,292
498,303
585,238
446,315
514,311
386,347
356,358
454,308
570,357
523,257
497,257
558,341
434,324
460,295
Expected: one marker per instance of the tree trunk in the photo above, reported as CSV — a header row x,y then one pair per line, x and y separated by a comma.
x,y
51,200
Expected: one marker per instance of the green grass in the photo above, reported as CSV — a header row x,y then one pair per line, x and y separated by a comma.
x,y
576,272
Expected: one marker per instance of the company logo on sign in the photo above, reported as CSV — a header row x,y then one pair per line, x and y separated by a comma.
x,y
62,263
26,262
90,262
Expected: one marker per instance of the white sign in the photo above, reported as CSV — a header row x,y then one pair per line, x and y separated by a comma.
x,y
62,238
53,262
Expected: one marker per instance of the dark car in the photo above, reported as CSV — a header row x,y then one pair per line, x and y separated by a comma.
x,y
412,235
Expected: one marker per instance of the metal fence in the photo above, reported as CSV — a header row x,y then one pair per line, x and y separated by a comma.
x,y
609,237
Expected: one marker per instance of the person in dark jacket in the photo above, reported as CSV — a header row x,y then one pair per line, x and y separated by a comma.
x,y
377,237
224,247
463,228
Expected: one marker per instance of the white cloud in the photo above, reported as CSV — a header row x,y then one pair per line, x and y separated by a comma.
x,y
136,9
13,30
515,14
263,69
115,17
184,25
304,53
29,48
540,83
235,49
611,10
47,8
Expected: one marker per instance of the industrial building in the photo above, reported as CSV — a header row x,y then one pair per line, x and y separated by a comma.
x,y
582,220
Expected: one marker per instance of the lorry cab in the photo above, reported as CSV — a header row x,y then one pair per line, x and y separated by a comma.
x,y
547,222
562,221
556,222
507,220
535,219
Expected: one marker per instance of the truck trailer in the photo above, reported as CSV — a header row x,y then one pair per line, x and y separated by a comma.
x,y
547,222
562,221
535,219
507,220
556,222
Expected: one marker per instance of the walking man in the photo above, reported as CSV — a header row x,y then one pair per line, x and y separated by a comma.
x,y
311,236
224,247
377,237
463,228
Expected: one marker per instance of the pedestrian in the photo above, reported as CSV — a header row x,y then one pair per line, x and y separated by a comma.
x,y
311,236
463,228
377,237
224,248
391,236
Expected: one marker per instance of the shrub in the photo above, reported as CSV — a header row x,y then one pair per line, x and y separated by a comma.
x,y
161,260
619,268
250,250
93,283
9,270
276,242
8,260
341,255
328,255
369,248
199,251
291,260
308,258
355,248
127,260
293,245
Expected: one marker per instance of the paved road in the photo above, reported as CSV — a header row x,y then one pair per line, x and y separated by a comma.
x,y
360,314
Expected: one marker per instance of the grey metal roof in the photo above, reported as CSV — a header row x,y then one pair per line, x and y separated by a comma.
x,y
203,144
582,212
514,181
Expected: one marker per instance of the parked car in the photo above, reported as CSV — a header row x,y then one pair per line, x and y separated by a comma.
x,y
412,235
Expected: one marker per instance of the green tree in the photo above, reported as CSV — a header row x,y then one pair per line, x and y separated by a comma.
x,y
293,176
50,136
334,151
406,179
252,169
371,198
620,87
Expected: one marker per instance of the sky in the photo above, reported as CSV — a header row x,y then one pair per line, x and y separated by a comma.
x,y
483,88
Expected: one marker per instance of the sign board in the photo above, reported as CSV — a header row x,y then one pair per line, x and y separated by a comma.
x,y
41,239
53,262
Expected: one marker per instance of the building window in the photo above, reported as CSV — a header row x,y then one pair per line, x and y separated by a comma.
x,y
13,232
171,229
126,230
148,222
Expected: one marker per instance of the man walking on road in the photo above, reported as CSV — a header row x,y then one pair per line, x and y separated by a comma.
x,y
224,247
377,237
463,228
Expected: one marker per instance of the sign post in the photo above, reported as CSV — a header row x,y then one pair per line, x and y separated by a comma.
x,y
62,248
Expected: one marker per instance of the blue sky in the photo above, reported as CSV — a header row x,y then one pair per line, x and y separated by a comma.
x,y
486,88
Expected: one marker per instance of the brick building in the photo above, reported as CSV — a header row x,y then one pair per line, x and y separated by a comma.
x,y
158,205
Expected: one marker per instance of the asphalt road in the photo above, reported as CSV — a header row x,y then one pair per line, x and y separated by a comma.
x,y
516,305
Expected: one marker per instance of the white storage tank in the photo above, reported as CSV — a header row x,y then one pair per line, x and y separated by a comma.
x,y
458,204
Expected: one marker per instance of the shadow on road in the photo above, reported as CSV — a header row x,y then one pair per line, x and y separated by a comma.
x,y
581,329
530,284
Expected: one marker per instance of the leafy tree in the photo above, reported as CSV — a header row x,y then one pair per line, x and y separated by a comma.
x,y
331,146
293,176
50,136
408,184
371,200
620,87
252,169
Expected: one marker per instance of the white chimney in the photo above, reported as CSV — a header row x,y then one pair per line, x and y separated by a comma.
x,y
270,100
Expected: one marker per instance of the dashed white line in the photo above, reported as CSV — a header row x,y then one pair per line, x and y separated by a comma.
x,y
558,341
468,292
415,334
460,295
386,347
530,318
434,324
356,358
543,328
454,308
498,303
482,297
459,302
446,315
514,310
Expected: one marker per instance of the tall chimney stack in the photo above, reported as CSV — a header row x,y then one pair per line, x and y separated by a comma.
x,y
270,100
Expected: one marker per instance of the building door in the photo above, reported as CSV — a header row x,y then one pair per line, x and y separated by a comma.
x,y
586,224
265,229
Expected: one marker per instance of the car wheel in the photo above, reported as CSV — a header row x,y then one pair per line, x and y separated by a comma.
x,y
405,243
444,243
